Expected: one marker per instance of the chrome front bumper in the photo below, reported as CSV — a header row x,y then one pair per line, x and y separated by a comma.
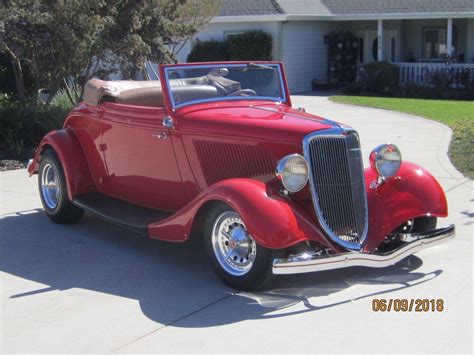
x,y
310,263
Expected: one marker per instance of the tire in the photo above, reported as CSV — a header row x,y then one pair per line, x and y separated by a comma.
x,y
53,191
249,266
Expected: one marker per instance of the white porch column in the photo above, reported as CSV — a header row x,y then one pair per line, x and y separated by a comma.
x,y
450,37
380,40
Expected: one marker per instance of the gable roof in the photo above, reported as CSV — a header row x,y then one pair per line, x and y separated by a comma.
x,y
398,6
344,9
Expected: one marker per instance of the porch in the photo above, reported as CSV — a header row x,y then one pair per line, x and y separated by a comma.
x,y
459,75
425,49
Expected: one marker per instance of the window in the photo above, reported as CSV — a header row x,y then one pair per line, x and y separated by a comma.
x,y
435,42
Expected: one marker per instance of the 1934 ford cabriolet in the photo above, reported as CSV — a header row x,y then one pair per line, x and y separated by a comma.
x,y
216,151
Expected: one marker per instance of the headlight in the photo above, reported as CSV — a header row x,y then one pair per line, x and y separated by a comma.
x,y
292,171
386,160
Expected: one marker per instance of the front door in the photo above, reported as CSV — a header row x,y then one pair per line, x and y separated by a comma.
x,y
140,158
391,52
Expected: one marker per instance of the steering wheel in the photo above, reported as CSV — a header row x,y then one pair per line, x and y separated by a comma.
x,y
244,92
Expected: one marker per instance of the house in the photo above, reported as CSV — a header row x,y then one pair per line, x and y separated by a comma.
x,y
415,34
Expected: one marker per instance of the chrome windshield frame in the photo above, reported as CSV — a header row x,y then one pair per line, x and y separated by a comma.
x,y
175,106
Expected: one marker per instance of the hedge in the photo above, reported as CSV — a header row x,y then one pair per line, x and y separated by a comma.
x,y
252,45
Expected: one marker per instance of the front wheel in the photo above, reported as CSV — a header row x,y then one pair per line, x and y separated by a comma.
x,y
235,256
53,192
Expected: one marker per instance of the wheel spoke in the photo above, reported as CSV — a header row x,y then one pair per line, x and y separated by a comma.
x,y
50,186
229,253
226,234
234,248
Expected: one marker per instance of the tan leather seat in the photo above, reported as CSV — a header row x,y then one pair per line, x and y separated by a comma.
x,y
151,96
142,93
149,93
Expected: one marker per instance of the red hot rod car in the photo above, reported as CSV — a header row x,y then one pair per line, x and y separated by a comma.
x,y
216,151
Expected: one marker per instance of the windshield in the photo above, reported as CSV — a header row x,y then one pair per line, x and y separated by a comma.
x,y
204,83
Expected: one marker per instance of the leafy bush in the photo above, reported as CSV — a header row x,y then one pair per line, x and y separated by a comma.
x,y
21,129
252,45
380,78
415,91
352,89
208,51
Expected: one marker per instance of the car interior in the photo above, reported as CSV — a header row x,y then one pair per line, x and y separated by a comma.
x,y
149,93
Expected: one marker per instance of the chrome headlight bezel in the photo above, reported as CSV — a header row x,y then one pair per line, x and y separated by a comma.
x,y
386,160
284,174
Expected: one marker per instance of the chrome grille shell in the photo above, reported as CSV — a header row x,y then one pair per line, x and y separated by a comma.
x,y
337,182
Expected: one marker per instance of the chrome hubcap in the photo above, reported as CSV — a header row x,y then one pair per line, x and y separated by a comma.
x,y
50,187
233,246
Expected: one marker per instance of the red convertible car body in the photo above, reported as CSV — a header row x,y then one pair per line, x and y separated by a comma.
x,y
159,157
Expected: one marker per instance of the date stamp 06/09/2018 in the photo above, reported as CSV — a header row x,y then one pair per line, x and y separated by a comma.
x,y
407,305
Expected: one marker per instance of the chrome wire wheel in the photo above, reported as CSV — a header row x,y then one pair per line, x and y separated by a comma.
x,y
50,186
234,248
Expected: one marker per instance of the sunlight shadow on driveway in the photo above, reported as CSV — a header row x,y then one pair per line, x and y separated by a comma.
x,y
171,282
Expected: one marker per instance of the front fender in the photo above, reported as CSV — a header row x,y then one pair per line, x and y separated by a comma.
x,y
413,193
275,222
70,154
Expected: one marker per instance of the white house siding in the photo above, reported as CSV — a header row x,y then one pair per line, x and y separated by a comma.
x,y
218,32
304,53
470,41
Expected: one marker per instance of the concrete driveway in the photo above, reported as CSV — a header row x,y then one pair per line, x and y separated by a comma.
x,y
94,287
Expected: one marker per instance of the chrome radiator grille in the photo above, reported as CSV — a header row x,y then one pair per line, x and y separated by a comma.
x,y
338,185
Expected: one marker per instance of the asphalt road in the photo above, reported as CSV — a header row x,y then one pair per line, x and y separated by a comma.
x,y
94,287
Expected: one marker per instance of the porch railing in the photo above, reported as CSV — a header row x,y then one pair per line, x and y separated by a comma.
x,y
427,74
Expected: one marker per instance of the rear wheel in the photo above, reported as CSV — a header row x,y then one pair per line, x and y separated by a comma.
x,y
52,188
235,256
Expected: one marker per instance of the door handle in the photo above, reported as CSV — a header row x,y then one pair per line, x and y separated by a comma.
x,y
161,135
168,122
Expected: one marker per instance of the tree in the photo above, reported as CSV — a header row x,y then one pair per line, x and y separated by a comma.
x,y
60,39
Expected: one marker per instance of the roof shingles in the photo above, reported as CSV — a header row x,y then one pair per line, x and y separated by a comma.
x,y
250,7
342,7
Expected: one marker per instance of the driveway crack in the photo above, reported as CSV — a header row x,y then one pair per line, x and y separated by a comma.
x,y
190,314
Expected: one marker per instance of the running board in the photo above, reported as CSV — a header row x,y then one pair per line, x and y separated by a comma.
x,y
119,212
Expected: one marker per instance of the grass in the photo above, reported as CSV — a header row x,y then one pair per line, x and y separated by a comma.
x,y
459,115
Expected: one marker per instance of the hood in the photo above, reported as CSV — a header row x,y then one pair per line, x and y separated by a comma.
x,y
274,122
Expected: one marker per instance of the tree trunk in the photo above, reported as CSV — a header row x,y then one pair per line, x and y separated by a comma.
x,y
53,90
18,73
68,92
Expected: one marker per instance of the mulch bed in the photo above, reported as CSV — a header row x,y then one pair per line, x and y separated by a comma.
x,y
11,165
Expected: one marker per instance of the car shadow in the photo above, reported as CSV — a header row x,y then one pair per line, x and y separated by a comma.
x,y
172,282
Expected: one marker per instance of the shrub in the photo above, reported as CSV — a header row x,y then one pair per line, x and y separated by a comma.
x,y
22,128
352,89
380,78
252,45
208,51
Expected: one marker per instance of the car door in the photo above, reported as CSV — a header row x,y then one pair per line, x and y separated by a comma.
x,y
140,159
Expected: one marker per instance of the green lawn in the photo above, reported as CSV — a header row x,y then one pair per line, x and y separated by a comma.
x,y
459,115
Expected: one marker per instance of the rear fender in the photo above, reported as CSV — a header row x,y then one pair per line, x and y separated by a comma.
x,y
275,222
70,154
413,193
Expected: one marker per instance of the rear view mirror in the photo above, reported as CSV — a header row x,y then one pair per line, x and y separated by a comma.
x,y
219,72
